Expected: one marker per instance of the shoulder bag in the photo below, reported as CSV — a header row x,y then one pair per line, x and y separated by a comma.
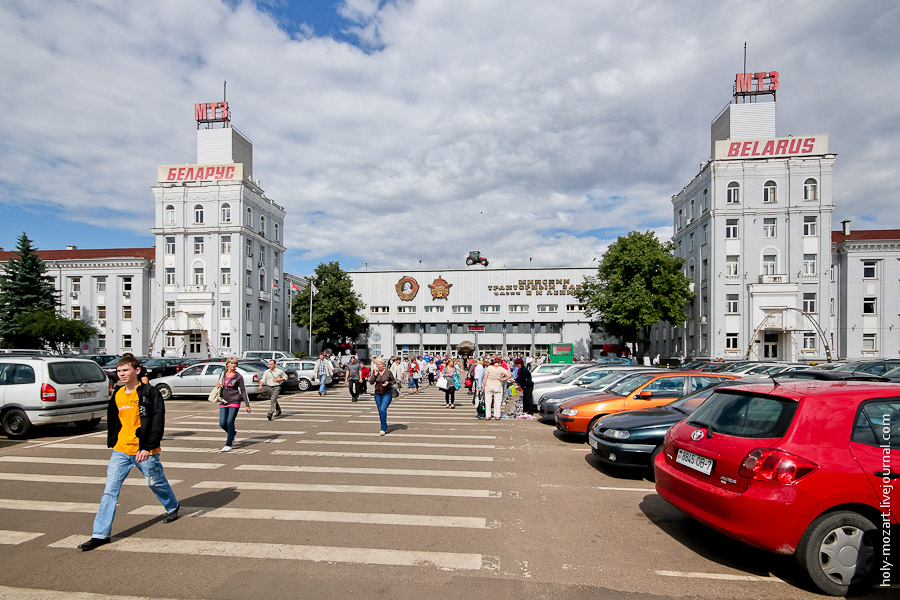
x,y
216,394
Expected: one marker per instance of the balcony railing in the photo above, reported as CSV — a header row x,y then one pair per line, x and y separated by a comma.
x,y
265,296
773,278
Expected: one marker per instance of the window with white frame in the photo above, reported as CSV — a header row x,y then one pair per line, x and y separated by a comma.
x,y
870,269
731,304
226,213
490,308
691,243
169,215
769,228
226,276
810,190
198,214
170,308
226,309
705,234
126,341
518,308
810,225
126,284
434,309
226,244
705,200
276,233
406,309
870,305
380,309
170,275
809,264
731,341
249,221
198,245
731,229
809,340
225,341
769,263
575,307
126,313
248,311
75,284
770,191
101,312
170,341
76,312
249,341
261,313
248,278
101,342
170,245
463,309
199,274
249,248
275,258
869,342
262,225
732,265
733,193
547,308
809,302
101,285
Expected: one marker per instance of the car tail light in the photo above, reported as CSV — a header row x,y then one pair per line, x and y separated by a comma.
x,y
110,387
48,393
256,379
778,466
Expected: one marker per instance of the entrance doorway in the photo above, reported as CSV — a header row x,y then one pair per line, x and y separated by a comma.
x,y
770,346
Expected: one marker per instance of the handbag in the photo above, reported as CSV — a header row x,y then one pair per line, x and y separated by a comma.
x,y
443,383
216,394
468,382
395,393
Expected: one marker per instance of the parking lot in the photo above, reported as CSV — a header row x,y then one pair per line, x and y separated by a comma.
x,y
316,503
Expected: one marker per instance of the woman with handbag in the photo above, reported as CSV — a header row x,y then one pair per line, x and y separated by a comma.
x,y
526,385
451,377
383,392
413,372
232,394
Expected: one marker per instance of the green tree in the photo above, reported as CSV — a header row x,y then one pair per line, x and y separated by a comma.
x,y
54,331
638,283
336,311
24,287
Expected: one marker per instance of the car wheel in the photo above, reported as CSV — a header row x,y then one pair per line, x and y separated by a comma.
x,y
837,551
593,422
16,423
651,476
164,391
87,425
303,385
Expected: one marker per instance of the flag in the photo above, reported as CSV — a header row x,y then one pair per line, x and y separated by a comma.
x,y
275,284
313,287
295,287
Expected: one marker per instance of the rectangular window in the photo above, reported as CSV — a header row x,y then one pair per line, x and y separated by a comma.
x,y
547,308
275,259
249,248
170,245
226,244
198,245
406,309
170,341
380,309
434,309
199,276
76,285
490,308
248,278
518,308
733,193
225,342
810,225
870,306
126,284
76,312
126,312
249,340
809,340
691,243
101,312
869,342
545,327
101,342
809,264
126,342
731,265
770,192
170,275
870,269
226,309
574,308
260,314
247,309
731,341
731,229
226,276
768,228
101,285
768,264
462,309
731,304
809,302
170,308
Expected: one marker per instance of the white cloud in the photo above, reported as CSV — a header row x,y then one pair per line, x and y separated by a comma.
x,y
505,127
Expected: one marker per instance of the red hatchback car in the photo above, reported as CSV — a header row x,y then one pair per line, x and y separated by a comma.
x,y
795,468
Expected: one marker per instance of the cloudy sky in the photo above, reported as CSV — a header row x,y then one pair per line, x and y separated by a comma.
x,y
399,131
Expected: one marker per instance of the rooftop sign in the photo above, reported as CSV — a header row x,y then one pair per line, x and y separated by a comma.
x,y
755,84
771,148
211,112
182,173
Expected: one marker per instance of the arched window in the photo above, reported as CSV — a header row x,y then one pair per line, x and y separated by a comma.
x,y
169,215
198,214
199,273
249,221
262,225
691,214
276,233
226,213
770,262
810,190
733,194
770,191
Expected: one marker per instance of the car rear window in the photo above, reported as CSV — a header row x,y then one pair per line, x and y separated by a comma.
x,y
745,415
878,423
75,372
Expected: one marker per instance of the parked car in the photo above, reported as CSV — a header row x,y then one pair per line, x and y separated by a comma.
x,y
643,390
266,355
302,373
832,375
161,367
573,380
873,367
551,374
40,390
793,468
198,380
550,401
25,351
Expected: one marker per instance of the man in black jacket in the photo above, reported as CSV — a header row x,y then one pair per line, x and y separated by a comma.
x,y
136,418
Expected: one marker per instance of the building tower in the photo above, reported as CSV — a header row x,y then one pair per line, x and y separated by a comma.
x,y
219,249
754,228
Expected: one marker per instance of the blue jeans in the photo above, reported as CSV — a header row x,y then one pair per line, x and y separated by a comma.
x,y
382,401
119,466
227,416
321,385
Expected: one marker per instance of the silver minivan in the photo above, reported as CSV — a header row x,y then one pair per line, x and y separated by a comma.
x,y
304,369
43,390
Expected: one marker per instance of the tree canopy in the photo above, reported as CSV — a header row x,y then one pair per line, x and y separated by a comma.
x,y
336,311
24,288
638,283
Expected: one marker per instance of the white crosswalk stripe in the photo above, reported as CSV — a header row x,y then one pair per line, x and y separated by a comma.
x,y
50,506
387,455
83,479
166,450
361,471
345,489
220,439
253,431
14,538
404,444
415,435
101,462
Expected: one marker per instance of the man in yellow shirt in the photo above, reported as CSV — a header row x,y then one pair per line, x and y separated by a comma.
x,y
135,421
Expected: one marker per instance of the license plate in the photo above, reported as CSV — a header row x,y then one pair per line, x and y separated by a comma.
x,y
80,395
694,461
593,443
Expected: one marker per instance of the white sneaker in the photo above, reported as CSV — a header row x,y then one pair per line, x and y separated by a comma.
x,y
225,449
381,432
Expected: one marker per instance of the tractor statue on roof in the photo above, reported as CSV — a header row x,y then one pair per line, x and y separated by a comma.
x,y
475,257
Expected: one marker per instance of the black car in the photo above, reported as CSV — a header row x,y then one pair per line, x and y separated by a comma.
x,y
834,375
160,367
873,366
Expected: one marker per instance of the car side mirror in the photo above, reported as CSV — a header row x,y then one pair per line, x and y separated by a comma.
x,y
645,395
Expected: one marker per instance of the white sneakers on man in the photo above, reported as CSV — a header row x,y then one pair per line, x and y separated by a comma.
x,y
225,449
381,432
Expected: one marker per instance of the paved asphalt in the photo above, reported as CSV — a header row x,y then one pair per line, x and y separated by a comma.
x,y
317,505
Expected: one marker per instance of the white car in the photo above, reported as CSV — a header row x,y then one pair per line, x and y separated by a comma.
x,y
304,370
43,390
200,379
266,355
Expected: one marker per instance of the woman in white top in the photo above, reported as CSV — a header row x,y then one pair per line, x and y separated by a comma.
x,y
494,378
398,371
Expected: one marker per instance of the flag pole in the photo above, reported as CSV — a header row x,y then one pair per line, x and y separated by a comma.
x,y
310,316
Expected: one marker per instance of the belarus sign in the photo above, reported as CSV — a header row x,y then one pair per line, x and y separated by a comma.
x,y
771,148
182,173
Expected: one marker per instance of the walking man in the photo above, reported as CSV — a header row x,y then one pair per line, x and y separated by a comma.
x,y
136,418
323,371
272,378
353,378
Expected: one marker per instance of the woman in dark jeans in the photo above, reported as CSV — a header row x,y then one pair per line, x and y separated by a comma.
x,y
383,392
523,380
451,374
233,393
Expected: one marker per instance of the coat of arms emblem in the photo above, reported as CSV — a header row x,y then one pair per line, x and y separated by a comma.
x,y
440,289
407,288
